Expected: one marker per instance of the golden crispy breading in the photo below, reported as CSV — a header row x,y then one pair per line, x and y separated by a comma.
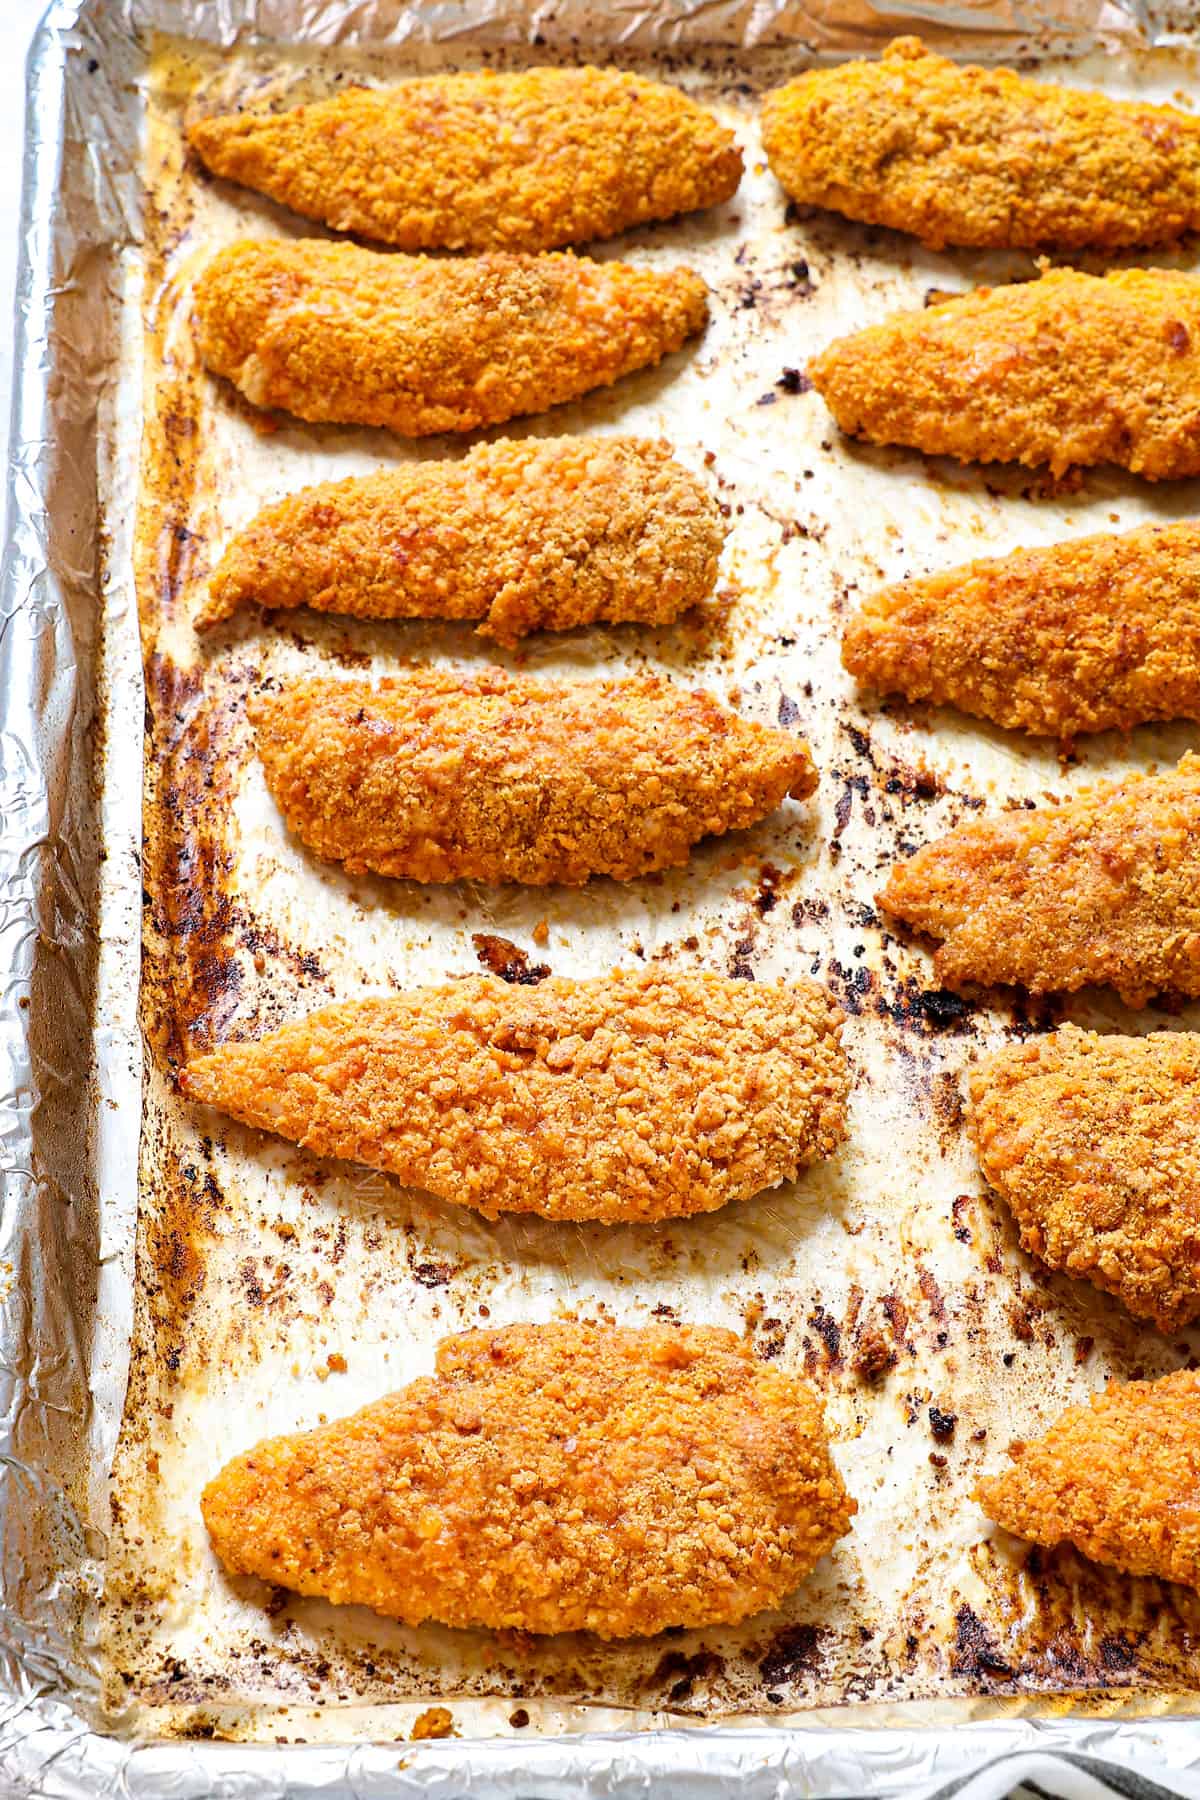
x,y
1094,1142
549,1478
528,535
964,155
1069,369
1119,1478
1103,888
445,777
641,1095
420,344
529,161
1095,634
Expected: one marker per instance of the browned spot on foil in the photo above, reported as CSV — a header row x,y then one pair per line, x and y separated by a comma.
x,y
191,975
933,1295
948,1107
975,1652
178,1218
942,1424
796,1650
897,1316
683,1672
827,1330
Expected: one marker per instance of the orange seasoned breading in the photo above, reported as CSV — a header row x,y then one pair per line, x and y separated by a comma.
x,y
1094,1142
641,1095
528,161
527,535
1102,888
1097,634
445,777
556,1477
1069,369
983,157
421,344
1119,1478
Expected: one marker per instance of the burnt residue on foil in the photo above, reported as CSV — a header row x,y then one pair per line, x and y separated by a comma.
x,y
273,1289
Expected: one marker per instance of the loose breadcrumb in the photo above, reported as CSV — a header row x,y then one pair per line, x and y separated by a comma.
x,y
1097,634
1102,888
1094,1142
526,535
639,1095
983,157
1119,1478
439,776
1069,369
420,345
527,161
434,1722
548,1478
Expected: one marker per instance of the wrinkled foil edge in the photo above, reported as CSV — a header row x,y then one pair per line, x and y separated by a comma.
x,y
62,1372
54,1759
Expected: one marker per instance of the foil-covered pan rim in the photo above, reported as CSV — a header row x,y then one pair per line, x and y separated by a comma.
x,y
46,1745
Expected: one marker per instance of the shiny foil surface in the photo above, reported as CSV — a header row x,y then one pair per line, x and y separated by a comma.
x,y
173,1287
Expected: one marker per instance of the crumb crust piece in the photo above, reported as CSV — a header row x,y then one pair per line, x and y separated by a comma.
x,y
331,332
548,1478
437,776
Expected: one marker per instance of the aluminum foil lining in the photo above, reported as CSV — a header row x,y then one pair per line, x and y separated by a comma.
x,y
72,1306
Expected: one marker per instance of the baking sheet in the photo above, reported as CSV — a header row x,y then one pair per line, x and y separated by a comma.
x,y
256,1264
262,1268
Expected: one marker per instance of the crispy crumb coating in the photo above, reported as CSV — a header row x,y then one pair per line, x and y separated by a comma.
x,y
1102,888
527,535
555,1477
1097,634
1094,1142
527,161
640,1095
1069,369
445,777
420,345
982,157
1119,1478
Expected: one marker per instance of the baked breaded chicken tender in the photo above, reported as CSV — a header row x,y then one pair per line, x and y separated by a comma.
x,y
1069,369
419,344
526,535
640,1095
982,157
439,776
1103,888
1097,634
1094,1142
557,1477
527,161
1119,1478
